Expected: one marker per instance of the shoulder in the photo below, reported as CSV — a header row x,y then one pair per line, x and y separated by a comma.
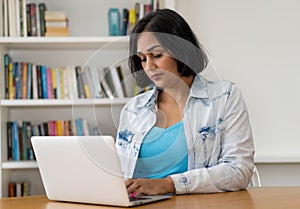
x,y
140,101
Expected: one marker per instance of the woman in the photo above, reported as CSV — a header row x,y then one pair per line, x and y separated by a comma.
x,y
187,134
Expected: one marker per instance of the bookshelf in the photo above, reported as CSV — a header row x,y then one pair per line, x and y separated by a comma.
x,y
88,44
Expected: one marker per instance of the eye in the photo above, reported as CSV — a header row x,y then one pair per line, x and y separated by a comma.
x,y
157,55
142,58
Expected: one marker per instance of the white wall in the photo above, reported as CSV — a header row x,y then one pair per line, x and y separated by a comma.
x,y
257,44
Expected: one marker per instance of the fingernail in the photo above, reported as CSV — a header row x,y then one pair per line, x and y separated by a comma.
x,y
132,194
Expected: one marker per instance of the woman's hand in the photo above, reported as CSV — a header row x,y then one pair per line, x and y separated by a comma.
x,y
150,186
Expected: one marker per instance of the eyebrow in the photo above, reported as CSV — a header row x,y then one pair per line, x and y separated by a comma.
x,y
150,49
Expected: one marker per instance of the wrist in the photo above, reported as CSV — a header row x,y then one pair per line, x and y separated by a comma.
x,y
171,187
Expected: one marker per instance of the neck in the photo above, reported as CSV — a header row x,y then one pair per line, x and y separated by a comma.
x,y
178,93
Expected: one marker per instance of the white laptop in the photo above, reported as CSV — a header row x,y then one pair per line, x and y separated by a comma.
x,y
83,169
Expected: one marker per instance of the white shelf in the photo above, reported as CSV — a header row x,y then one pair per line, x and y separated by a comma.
x,y
19,165
61,102
113,42
276,159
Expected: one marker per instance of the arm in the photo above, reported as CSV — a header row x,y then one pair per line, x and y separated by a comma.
x,y
233,170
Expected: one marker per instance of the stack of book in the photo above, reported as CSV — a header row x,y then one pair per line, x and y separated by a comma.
x,y
26,80
56,23
19,189
20,18
121,22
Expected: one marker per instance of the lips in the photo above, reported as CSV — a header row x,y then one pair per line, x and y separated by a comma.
x,y
156,76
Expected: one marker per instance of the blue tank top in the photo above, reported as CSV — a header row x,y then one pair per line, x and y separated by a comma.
x,y
162,153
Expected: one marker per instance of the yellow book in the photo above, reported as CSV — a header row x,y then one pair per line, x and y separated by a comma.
x,y
59,128
61,79
54,85
10,81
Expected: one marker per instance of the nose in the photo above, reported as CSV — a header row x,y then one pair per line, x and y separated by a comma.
x,y
149,64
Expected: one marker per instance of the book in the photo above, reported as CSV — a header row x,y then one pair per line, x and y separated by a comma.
x,y
23,18
28,19
99,92
16,152
12,21
57,31
80,85
6,73
74,83
122,80
17,18
34,83
37,19
125,15
131,20
116,82
5,18
88,73
33,19
58,94
39,81
9,133
24,79
17,68
54,84
42,10
29,80
44,81
86,85
66,79
61,83
114,21
137,8
104,84
55,15
56,24
10,81
49,83
24,140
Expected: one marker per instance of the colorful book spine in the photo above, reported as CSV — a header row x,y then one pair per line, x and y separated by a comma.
x,y
49,83
18,79
9,127
29,81
42,9
54,84
16,151
44,81
24,79
58,83
114,21
6,63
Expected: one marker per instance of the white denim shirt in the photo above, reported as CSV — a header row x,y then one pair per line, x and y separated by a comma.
x,y
218,134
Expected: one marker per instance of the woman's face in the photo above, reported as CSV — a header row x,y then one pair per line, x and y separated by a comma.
x,y
156,61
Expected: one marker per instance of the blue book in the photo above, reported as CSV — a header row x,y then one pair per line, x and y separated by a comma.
x,y
114,21
18,79
29,80
16,153
44,81
79,126
125,22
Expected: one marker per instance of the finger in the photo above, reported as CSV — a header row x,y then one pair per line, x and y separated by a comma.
x,y
132,187
128,182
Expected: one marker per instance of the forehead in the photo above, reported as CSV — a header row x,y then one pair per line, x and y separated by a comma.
x,y
145,41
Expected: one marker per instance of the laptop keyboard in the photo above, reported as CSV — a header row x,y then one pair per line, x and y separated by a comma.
x,y
137,198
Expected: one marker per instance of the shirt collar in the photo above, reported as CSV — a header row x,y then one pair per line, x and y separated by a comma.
x,y
199,87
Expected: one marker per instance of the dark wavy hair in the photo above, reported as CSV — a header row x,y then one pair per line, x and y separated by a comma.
x,y
174,34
